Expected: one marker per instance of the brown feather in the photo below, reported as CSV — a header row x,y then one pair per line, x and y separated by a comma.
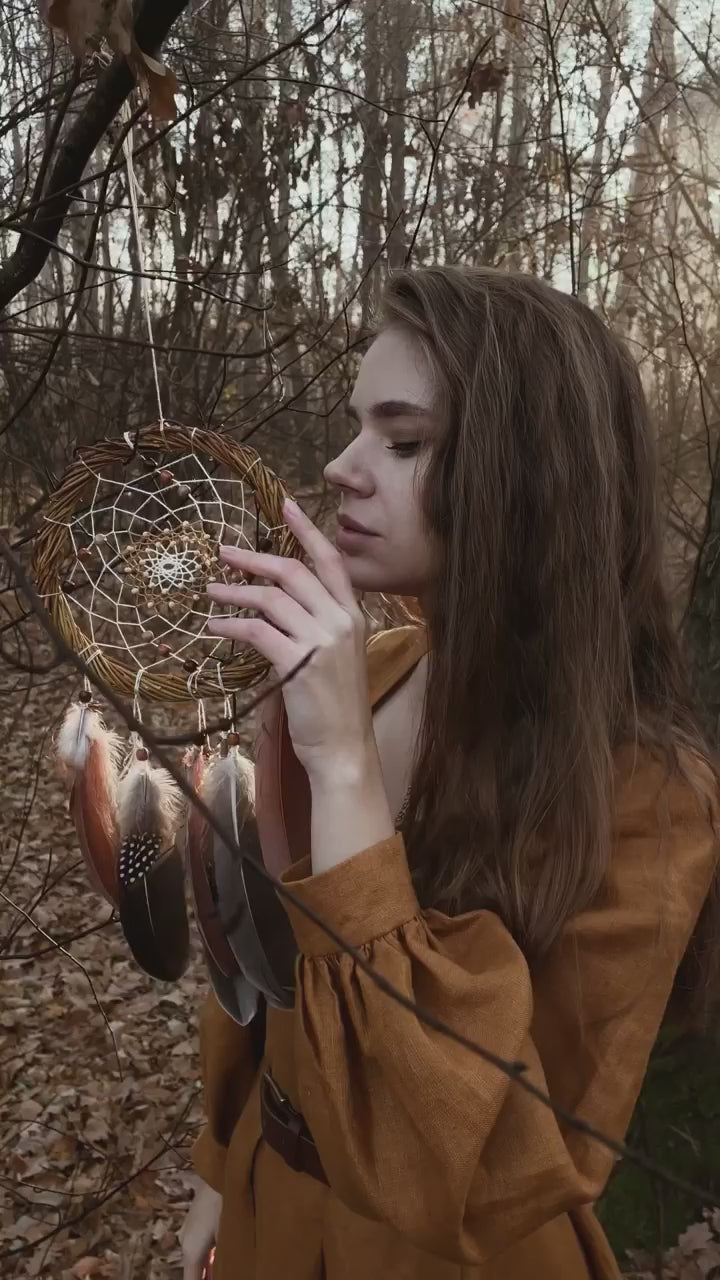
x,y
198,852
93,811
154,919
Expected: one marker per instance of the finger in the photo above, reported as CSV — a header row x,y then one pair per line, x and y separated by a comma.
x,y
293,576
276,605
329,564
281,652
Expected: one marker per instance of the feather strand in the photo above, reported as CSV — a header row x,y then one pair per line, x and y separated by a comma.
x,y
151,875
230,792
89,755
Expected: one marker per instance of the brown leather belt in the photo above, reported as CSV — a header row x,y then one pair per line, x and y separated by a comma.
x,y
285,1130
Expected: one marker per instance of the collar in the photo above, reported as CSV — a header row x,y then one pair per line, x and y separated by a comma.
x,y
391,655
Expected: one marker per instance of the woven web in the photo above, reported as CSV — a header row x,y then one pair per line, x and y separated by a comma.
x,y
142,551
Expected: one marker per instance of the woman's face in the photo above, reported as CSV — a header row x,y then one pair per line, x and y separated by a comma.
x,y
380,530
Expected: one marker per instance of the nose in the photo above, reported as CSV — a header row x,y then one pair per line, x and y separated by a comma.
x,y
348,472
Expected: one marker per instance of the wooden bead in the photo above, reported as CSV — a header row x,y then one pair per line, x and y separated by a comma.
x,y
165,476
142,753
163,650
232,739
85,696
148,635
183,491
190,664
85,554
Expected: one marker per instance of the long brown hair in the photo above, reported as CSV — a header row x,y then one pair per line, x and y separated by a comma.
x,y
551,634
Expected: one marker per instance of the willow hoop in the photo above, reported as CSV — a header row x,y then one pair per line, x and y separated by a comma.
x,y
53,547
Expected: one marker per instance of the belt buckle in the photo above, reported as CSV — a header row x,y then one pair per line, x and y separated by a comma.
x,y
292,1122
280,1098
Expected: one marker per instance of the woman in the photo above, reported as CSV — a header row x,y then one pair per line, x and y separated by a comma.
x,y
520,838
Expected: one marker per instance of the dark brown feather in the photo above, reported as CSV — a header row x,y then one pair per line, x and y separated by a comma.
x,y
151,872
152,907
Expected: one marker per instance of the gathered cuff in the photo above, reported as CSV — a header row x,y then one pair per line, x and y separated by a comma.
x,y
362,898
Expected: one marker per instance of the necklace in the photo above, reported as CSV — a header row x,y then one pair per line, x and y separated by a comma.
x,y
402,812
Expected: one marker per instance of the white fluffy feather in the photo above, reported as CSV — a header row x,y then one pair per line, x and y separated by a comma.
x,y
149,801
229,770
80,727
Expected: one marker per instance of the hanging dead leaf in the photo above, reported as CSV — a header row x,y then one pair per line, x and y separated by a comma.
x,y
487,77
86,22
157,81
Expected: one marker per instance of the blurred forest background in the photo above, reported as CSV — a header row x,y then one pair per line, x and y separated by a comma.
x,y
315,148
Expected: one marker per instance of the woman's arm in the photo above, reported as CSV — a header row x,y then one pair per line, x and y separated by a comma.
x,y
350,809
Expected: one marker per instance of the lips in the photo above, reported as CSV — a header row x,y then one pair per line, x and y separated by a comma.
x,y
353,526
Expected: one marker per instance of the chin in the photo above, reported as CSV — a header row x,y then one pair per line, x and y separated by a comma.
x,y
372,579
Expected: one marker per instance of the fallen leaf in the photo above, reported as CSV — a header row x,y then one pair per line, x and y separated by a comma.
x,y
88,1266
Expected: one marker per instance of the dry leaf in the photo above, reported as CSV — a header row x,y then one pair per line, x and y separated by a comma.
x,y
157,81
86,22
698,1236
88,1266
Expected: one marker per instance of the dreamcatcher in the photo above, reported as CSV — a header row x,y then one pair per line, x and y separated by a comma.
x,y
130,539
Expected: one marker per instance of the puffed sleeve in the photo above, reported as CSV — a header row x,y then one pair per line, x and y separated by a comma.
x,y
230,1057
415,1130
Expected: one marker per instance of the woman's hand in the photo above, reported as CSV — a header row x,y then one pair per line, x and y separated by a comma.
x,y
307,611
199,1230
313,614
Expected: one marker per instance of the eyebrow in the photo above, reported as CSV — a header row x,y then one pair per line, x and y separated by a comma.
x,y
392,409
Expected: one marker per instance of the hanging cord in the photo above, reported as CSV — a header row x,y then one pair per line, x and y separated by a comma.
x,y
144,282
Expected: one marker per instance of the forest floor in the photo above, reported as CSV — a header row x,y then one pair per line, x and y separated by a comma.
x,y
99,1071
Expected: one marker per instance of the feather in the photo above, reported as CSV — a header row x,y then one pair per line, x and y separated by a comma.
x,y
239,998
201,873
89,754
267,954
151,880
148,801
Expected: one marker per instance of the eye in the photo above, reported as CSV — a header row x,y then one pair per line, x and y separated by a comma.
x,y
407,449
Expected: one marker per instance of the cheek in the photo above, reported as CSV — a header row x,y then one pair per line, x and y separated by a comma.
x,y
402,501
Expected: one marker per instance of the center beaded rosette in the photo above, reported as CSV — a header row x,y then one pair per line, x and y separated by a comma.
x,y
171,568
